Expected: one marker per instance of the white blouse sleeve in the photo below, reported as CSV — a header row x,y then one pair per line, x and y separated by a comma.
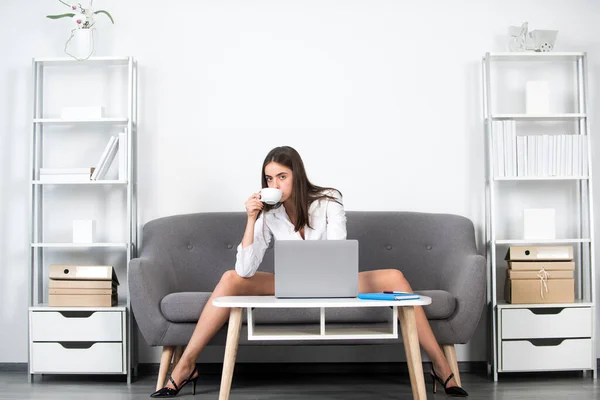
x,y
336,218
248,259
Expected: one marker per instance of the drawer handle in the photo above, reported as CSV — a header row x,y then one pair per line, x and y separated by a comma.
x,y
77,345
545,342
77,314
546,311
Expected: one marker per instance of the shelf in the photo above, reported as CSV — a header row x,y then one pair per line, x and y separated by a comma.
x,y
65,61
540,178
80,245
60,121
98,182
313,333
534,56
539,117
541,241
578,303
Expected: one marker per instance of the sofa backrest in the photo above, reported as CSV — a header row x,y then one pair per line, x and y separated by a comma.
x,y
198,248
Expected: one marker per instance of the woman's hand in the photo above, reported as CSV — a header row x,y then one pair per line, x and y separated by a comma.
x,y
254,206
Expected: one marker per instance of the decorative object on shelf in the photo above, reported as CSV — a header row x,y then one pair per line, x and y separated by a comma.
x,y
537,97
82,112
539,223
81,44
519,39
84,231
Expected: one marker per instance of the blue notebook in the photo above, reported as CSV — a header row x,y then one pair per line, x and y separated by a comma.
x,y
388,296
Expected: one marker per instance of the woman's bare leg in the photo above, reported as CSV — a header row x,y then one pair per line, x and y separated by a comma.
x,y
213,318
392,279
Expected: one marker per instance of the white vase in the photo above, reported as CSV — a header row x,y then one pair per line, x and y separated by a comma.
x,y
81,44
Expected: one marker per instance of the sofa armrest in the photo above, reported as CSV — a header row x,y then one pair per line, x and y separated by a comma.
x,y
148,283
465,278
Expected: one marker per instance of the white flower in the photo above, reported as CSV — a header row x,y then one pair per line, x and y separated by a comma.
x,y
79,19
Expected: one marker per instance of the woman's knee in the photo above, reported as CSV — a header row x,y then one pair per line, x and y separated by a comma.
x,y
230,280
398,278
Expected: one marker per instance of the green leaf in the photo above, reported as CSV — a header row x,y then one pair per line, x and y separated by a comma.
x,y
107,14
60,16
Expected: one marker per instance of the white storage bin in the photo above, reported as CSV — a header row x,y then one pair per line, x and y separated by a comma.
x,y
54,326
523,323
55,358
522,355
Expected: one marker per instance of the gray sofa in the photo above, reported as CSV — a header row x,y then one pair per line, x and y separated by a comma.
x,y
183,257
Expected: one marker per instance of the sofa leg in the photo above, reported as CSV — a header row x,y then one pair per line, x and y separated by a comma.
x,y
165,363
450,353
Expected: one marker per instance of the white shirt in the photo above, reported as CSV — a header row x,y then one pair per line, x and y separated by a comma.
x,y
327,220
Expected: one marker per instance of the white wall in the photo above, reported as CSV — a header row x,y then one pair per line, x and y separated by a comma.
x,y
381,98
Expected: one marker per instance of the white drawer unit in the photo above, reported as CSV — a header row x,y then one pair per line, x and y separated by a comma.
x,y
546,338
77,357
536,323
534,355
76,326
78,340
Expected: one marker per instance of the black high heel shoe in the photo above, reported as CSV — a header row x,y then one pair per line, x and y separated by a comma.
x,y
455,391
170,392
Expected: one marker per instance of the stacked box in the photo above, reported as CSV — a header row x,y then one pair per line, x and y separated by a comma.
x,y
82,286
540,274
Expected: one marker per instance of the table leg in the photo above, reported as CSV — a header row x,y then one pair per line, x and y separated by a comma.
x,y
233,338
408,324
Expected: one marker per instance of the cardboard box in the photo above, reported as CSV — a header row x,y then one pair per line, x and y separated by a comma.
x,y
80,284
539,253
539,265
560,274
83,272
530,291
81,291
82,300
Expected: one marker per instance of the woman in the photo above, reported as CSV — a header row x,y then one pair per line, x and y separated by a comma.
x,y
306,212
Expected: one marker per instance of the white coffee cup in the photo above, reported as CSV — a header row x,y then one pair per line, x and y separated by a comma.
x,y
270,195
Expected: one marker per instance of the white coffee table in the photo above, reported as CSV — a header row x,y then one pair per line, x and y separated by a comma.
x,y
403,310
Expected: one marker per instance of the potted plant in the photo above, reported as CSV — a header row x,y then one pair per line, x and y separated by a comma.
x,y
81,43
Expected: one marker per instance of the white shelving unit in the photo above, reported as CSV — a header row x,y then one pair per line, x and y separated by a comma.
x,y
81,340
540,337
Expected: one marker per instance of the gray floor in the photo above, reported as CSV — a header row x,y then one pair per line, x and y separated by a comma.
x,y
14,385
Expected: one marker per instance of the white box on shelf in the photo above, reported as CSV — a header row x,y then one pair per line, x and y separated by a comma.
x,y
84,231
82,112
539,223
537,95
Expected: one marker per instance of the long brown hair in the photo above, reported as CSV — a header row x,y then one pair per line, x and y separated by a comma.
x,y
303,191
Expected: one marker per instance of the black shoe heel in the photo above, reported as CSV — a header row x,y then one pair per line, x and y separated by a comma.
x,y
455,391
433,383
169,392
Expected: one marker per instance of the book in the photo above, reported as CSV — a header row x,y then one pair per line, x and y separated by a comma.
x,y
388,296
58,178
103,158
112,151
123,155
64,171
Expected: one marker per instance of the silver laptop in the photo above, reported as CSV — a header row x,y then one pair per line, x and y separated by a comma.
x,y
316,268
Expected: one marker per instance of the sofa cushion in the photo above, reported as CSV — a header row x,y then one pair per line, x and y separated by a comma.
x,y
187,306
